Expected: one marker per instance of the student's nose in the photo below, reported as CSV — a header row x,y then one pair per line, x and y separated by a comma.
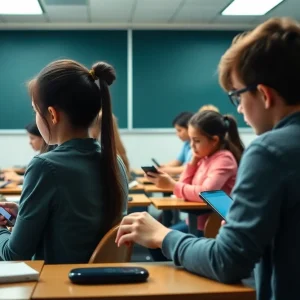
x,y
240,109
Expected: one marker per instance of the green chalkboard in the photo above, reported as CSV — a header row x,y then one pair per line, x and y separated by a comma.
x,y
175,71
24,53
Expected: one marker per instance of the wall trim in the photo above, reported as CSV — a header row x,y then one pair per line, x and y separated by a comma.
x,y
124,131
129,80
123,26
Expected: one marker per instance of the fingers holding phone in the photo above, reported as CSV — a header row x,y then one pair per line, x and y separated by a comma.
x,y
160,179
8,213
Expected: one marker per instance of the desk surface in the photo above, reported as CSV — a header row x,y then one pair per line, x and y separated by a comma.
x,y
11,190
151,188
139,200
165,282
22,290
143,180
175,203
139,187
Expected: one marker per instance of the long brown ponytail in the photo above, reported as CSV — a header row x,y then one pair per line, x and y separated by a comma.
x,y
111,174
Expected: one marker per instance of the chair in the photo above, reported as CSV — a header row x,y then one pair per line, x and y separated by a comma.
x,y
107,250
212,225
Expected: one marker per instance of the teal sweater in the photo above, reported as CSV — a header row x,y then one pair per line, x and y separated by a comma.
x,y
61,216
263,223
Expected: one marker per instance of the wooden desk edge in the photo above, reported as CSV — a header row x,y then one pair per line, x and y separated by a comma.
x,y
182,205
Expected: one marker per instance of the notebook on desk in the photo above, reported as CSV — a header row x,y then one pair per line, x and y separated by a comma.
x,y
17,272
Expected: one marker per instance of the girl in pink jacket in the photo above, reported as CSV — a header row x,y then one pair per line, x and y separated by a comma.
x,y
217,150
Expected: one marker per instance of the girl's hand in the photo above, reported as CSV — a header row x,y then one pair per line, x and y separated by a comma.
x,y
194,161
161,180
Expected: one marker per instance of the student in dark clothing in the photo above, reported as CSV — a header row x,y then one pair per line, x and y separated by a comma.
x,y
75,193
260,72
37,143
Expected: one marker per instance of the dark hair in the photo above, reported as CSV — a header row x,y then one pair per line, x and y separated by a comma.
x,y
81,94
33,129
269,55
182,119
212,123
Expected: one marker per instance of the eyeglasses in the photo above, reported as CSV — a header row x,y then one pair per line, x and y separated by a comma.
x,y
235,95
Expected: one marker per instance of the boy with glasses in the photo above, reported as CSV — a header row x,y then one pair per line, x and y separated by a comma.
x,y
260,72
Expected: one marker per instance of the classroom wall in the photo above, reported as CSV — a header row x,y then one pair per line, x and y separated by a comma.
x,y
141,147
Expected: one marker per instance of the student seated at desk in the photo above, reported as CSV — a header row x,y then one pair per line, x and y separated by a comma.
x,y
75,193
95,132
180,123
209,107
217,150
260,72
37,143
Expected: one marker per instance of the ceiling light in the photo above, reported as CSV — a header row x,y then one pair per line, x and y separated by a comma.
x,y
250,7
20,7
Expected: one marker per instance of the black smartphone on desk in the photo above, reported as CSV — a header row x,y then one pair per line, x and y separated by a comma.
x,y
218,200
108,275
155,162
151,169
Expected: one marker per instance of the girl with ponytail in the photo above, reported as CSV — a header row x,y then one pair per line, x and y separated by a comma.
x,y
217,150
74,194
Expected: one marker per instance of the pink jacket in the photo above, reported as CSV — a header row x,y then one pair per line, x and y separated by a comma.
x,y
216,172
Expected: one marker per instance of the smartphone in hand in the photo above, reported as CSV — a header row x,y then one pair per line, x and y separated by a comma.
x,y
155,162
218,200
11,220
151,169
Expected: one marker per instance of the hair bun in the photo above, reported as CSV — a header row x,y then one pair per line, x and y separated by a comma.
x,y
105,72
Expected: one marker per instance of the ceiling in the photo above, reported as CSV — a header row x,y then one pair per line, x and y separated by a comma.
x,y
95,14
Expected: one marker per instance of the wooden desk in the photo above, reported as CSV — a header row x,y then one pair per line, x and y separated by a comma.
x,y
137,188
22,290
139,200
18,190
20,171
167,203
151,188
175,203
143,180
165,282
11,191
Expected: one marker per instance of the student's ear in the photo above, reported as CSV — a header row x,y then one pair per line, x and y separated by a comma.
x,y
216,140
54,116
266,94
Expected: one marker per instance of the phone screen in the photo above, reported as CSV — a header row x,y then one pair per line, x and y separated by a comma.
x,y
218,200
7,215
